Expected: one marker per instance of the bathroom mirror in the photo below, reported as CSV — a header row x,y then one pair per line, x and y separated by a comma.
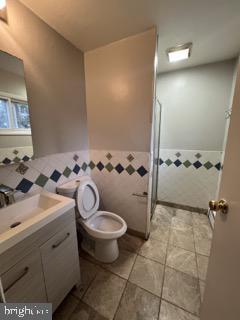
x,y
15,127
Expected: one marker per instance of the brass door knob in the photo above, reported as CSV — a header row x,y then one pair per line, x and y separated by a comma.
x,y
220,205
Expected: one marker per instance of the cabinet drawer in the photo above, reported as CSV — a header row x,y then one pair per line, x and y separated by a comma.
x,y
24,282
60,264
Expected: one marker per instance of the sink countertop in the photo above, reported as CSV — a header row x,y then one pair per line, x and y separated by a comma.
x,y
34,213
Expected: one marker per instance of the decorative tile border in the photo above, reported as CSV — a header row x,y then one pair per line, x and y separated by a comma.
x,y
195,163
15,155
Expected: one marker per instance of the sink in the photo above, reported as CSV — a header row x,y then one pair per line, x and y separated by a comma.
x,y
21,219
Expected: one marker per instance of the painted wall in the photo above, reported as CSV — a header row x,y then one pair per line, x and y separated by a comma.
x,y
55,82
194,102
54,71
119,92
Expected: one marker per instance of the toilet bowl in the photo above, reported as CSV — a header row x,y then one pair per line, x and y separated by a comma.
x,y
103,227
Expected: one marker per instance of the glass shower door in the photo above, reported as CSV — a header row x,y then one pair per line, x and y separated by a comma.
x,y
156,151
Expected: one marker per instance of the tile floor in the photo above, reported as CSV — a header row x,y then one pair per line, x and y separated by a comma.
x,y
159,279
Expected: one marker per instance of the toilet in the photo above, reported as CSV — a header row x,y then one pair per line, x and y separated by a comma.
x,y
102,228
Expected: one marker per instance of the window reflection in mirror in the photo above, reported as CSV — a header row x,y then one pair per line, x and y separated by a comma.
x,y
15,127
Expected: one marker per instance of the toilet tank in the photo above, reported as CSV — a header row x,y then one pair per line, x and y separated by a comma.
x,y
69,188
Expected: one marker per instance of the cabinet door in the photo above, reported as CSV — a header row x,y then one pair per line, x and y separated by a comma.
x,y
24,282
61,264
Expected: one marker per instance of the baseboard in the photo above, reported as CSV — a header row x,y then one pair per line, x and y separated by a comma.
x,y
136,233
182,206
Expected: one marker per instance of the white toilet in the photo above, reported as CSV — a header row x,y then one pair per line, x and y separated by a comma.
x,y
101,226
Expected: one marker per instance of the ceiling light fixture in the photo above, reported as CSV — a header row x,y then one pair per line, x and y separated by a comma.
x,y
3,10
179,53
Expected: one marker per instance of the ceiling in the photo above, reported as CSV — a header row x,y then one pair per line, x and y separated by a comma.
x,y
212,25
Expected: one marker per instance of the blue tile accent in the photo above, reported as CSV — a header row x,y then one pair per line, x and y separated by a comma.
x,y
6,161
76,168
177,163
161,161
55,176
218,166
100,166
142,171
25,158
197,164
119,168
24,185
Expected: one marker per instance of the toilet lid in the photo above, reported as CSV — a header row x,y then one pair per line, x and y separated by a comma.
x,y
87,199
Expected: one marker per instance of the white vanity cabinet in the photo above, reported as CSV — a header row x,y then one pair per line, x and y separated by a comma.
x,y
44,267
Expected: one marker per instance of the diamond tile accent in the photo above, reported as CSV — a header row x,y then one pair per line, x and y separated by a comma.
x,y
197,164
142,171
168,162
100,166
55,176
92,165
109,167
130,157
187,163
22,169
15,151
178,154
41,180
75,157
16,160
161,161
177,163
24,185
198,155
6,161
25,158
109,156
84,166
218,166
119,168
130,170
208,165
76,168
67,171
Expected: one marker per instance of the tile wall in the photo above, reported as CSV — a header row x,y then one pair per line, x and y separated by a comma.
x,y
15,155
45,173
119,174
188,177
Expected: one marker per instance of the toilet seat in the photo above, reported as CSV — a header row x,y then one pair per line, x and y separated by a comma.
x,y
105,225
87,198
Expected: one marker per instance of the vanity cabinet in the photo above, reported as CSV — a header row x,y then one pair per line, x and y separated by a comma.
x,y
60,264
24,282
44,267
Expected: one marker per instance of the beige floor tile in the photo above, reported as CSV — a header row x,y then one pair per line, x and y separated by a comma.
x,y
66,308
202,263
182,260
160,232
88,273
203,246
104,293
185,216
154,249
84,312
180,225
148,275
123,265
183,239
182,290
130,243
171,312
137,304
203,231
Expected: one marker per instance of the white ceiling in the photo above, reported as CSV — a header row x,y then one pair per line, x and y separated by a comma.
x,y
212,25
